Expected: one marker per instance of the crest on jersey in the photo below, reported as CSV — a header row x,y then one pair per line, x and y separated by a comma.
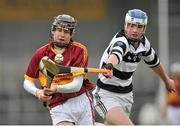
x,y
58,58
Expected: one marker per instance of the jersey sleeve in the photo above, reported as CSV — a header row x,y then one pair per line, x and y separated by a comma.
x,y
32,72
118,49
150,57
80,58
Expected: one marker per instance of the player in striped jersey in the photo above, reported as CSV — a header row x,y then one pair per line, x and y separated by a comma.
x,y
113,93
70,102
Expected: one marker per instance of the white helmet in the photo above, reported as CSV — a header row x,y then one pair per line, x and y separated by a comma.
x,y
136,16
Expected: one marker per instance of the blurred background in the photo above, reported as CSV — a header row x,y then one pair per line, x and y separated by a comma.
x,y
25,26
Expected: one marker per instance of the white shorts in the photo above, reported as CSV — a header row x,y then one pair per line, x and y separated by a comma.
x,y
173,114
78,110
105,100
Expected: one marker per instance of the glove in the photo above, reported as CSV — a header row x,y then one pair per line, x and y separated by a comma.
x,y
108,66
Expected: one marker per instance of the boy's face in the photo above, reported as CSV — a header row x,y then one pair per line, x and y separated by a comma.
x,y
135,31
62,36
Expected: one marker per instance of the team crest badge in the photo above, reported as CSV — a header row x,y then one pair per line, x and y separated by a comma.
x,y
59,58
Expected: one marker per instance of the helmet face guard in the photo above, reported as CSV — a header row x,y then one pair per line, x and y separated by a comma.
x,y
65,22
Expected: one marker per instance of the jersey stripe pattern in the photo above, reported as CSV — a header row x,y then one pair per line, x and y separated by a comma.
x,y
128,60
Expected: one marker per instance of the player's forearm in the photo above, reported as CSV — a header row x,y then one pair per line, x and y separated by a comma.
x,y
113,59
30,87
161,72
71,87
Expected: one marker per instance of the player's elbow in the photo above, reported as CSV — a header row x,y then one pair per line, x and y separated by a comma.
x,y
25,84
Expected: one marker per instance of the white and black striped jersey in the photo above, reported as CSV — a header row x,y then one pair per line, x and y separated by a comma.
x,y
128,58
